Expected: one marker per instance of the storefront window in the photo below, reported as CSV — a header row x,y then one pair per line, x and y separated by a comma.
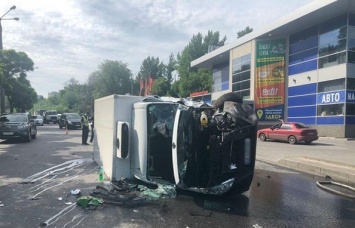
x,y
350,109
330,110
333,85
351,57
332,48
245,94
330,37
350,85
332,60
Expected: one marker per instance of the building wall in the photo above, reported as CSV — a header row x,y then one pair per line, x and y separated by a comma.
x,y
320,76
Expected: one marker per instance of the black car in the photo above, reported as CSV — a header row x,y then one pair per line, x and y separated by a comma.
x,y
17,125
69,120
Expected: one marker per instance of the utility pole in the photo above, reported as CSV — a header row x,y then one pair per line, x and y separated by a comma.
x,y
2,90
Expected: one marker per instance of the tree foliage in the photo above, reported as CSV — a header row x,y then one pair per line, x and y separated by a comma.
x,y
14,67
112,77
197,47
244,32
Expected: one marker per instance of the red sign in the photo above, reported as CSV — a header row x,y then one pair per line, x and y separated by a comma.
x,y
200,93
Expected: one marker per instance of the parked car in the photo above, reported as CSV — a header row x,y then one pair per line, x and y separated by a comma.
x,y
291,132
17,125
50,116
69,120
38,119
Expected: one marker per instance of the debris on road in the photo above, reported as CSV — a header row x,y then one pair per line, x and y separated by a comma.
x,y
161,192
219,206
60,198
26,182
89,202
75,192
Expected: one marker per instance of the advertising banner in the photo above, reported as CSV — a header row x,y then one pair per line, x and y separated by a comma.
x,y
331,97
350,96
270,79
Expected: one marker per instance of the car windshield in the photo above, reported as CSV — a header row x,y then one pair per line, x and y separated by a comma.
x,y
51,113
72,116
36,117
13,118
301,125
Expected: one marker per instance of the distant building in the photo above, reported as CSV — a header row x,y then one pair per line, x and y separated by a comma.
x,y
301,68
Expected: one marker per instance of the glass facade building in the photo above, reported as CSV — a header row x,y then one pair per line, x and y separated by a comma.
x,y
326,45
304,65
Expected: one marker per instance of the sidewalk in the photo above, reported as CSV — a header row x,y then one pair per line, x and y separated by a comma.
x,y
331,157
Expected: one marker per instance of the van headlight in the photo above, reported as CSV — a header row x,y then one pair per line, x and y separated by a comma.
x,y
247,153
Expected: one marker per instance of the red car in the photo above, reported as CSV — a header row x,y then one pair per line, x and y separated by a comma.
x,y
289,132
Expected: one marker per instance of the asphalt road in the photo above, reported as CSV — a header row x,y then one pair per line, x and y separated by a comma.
x,y
57,163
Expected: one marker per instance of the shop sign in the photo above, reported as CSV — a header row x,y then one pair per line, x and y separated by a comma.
x,y
331,97
199,93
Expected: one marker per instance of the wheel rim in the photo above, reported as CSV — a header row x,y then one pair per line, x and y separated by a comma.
x,y
292,139
262,137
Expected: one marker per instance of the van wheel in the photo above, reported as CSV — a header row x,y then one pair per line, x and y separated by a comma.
x,y
292,139
219,103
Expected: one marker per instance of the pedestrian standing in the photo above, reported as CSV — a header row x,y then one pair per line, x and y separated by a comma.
x,y
85,129
92,128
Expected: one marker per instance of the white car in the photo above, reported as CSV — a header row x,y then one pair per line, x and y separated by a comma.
x,y
38,119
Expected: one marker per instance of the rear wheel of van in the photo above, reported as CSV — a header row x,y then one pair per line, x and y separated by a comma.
x,y
219,103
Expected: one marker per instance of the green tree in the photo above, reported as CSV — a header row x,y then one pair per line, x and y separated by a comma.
x,y
15,66
112,77
161,86
151,67
197,47
22,96
244,32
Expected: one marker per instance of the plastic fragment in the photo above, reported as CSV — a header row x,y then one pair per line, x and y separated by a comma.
x,y
60,198
86,201
75,192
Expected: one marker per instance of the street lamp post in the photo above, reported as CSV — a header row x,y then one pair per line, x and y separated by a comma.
x,y
2,90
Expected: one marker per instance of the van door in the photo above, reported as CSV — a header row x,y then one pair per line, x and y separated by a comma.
x,y
182,137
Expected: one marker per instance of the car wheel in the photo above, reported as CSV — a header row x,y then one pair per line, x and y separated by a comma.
x,y
262,137
34,135
60,127
292,139
219,103
28,138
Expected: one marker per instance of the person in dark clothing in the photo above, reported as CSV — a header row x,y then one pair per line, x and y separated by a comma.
x,y
85,129
92,128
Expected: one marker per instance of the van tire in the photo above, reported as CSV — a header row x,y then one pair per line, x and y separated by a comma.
x,y
219,103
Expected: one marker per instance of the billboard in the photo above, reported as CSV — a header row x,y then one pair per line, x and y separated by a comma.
x,y
269,98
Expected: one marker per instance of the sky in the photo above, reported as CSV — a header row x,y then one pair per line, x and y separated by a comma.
x,y
70,38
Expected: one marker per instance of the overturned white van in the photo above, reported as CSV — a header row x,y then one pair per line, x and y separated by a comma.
x,y
195,146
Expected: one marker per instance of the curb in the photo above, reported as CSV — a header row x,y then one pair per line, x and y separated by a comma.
x,y
335,138
341,172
